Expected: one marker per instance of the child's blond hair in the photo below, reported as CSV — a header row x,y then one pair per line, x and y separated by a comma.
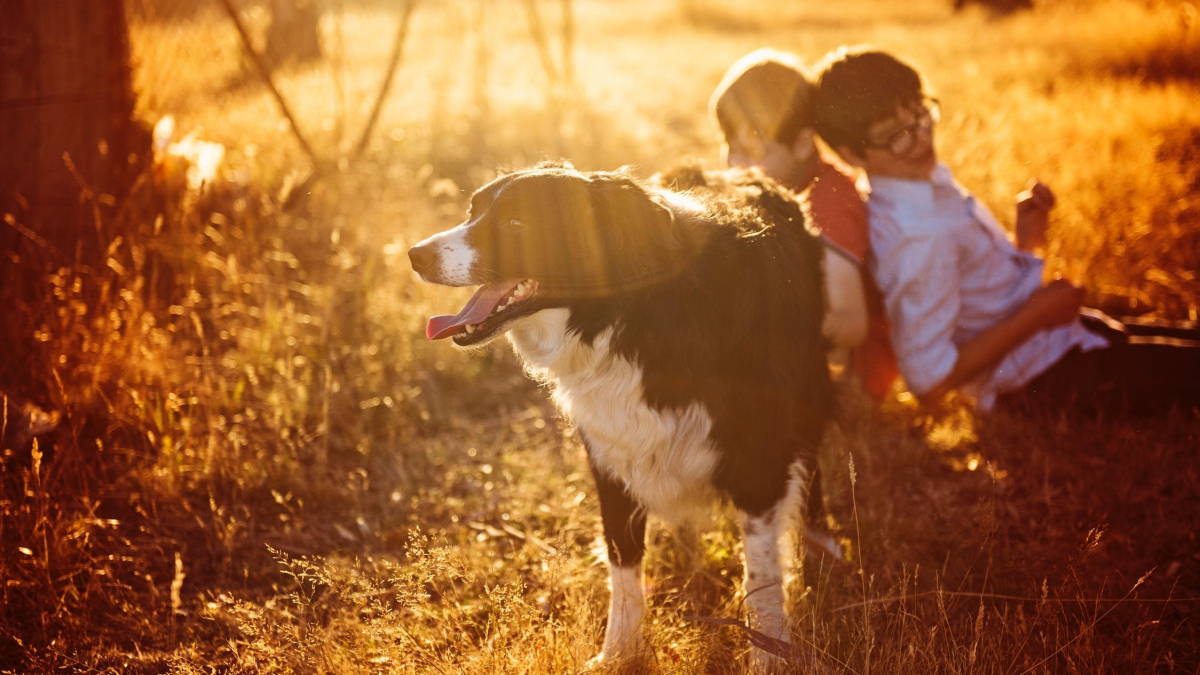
x,y
767,91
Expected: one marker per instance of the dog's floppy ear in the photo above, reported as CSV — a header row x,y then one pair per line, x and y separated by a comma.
x,y
642,230
683,212
661,200
672,224
622,202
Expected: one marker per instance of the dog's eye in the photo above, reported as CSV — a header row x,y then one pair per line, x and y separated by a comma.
x,y
513,224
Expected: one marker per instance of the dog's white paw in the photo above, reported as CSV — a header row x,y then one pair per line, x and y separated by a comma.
x,y
765,663
626,660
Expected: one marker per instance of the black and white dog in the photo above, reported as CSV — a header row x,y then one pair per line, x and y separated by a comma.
x,y
679,326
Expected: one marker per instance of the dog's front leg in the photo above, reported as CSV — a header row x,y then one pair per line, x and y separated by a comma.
x,y
624,535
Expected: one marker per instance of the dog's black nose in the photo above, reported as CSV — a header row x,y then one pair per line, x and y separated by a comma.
x,y
422,258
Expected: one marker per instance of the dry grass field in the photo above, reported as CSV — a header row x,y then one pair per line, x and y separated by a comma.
x,y
263,466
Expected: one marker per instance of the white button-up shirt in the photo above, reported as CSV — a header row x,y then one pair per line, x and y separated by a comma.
x,y
948,272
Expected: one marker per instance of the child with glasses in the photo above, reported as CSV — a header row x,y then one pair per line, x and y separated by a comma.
x,y
763,107
968,308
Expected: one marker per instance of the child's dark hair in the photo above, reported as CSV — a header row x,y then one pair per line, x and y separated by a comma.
x,y
858,87
767,91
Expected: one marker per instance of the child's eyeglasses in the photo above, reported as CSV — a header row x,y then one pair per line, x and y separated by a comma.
x,y
902,141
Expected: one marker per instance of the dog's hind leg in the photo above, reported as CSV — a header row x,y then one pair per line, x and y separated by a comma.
x,y
764,582
764,577
625,538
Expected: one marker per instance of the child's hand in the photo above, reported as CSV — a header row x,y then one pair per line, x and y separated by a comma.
x,y
1033,215
1056,303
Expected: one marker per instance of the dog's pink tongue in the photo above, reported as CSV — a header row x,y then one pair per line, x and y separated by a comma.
x,y
478,308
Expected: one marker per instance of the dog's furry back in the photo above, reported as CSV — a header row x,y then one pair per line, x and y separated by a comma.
x,y
738,329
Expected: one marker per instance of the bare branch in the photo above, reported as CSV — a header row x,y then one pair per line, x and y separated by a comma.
x,y
568,41
386,85
265,71
539,38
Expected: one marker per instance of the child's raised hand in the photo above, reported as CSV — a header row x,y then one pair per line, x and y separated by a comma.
x,y
1033,215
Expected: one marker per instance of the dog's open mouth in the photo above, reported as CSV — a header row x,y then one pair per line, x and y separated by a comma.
x,y
490,307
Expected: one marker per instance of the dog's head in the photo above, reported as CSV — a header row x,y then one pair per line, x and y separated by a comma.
x,y
544,237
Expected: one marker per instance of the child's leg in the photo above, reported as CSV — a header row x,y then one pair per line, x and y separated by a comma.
x,y
1144,375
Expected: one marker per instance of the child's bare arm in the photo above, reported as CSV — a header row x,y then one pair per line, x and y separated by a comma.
x,y
1051,305
845,322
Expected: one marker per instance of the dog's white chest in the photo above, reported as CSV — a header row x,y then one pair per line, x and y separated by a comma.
x,y
665,458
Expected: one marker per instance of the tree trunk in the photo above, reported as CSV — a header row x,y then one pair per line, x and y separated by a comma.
x,y
65,91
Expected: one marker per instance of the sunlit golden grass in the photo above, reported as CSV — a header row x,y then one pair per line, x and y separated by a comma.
x,y
247,391
1049,94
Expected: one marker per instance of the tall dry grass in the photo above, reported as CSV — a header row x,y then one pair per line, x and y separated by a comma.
x,y
263,467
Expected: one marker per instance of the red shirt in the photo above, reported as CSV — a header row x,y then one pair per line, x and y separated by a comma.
x,y
839,212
